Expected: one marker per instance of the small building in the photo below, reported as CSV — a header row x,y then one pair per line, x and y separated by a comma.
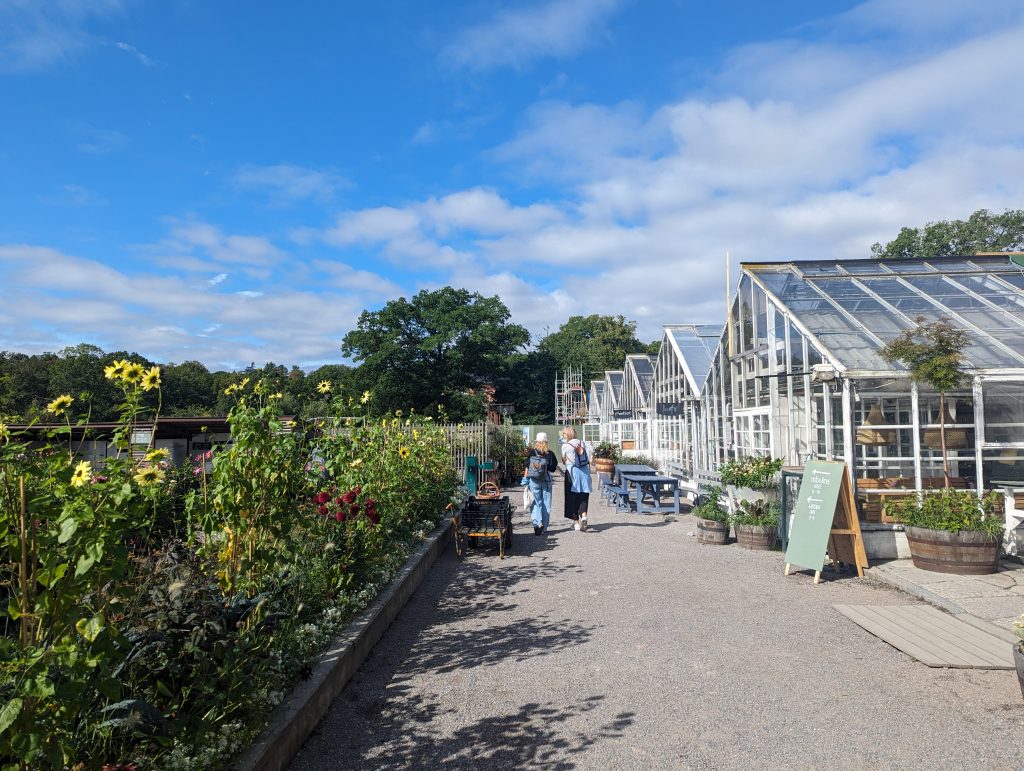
x,y
634,406
610,411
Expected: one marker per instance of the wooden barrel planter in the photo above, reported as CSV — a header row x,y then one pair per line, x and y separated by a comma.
x,y
757,537
712,532
967,553
604,465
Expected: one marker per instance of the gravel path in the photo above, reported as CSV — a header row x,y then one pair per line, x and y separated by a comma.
x,y
633,646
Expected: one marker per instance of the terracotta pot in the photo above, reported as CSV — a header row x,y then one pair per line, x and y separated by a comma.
x,y
710,531
757,537
967,553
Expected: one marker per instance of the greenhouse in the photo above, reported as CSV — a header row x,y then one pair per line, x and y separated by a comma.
x,y
681,371
610,404
634,404
801,375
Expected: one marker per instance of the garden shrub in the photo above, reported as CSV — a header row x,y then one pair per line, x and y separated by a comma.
x,y
156,615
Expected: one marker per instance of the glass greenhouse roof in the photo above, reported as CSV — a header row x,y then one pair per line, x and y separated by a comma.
x,y
853,307
643,367
614,381
695,345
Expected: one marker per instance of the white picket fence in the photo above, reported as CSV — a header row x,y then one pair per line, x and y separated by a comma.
x,y
465,439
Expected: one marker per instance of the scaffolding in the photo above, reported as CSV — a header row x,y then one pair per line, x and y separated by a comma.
x,y
570,398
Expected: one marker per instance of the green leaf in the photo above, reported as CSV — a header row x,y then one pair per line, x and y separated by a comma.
x,y
9,714
13,610
90,628
67,529
85,563
49,577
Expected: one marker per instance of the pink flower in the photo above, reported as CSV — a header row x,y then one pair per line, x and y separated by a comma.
x,y
209,455
340,516
196,471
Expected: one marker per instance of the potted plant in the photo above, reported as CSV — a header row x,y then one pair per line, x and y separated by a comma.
x,y
952,531
1018,651
757,524
753,478
712,518
606,455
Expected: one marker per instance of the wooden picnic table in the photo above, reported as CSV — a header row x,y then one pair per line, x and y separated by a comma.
x,y
632,468
655,486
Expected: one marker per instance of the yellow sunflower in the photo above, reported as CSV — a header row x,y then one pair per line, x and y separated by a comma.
x,y
5,432
323,387
151,475
132,372
258,388
160,453
366,397
59,405
151,379
82,474
231,389
115,369
403,452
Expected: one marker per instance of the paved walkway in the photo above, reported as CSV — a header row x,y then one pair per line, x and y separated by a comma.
x,y
632,646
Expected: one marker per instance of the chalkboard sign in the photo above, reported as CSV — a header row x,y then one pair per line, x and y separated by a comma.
x,y
669,409
622,414
825,519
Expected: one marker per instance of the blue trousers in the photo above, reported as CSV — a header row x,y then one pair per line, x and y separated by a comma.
x,y
541,511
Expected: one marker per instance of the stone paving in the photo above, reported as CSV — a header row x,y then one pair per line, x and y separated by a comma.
x,y
632,646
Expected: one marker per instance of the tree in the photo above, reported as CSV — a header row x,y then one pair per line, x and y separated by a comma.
x,y
188,389
933,352
595,343
428,351
981,232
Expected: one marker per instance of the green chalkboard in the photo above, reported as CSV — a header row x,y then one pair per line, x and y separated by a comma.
x,y
814,512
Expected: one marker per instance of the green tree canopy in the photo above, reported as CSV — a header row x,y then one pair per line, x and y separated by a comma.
x,y
430,350
595,343
981,232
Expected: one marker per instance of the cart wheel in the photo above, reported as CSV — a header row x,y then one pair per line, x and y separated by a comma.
x,y
508,540
460,546
473,542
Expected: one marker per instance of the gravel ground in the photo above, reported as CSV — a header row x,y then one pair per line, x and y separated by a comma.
x,y
630,645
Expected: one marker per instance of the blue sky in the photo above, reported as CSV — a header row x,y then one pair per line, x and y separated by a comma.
x,y
235,183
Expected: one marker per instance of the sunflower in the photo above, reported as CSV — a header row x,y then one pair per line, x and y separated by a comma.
x,y
258,388
366,397
148,476
151,379
115,370
5,432
59,405
275,396
323,387
403,452
231,389
160,453
132,372
82,474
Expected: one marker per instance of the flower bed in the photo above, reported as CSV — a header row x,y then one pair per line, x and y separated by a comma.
x,y
156,615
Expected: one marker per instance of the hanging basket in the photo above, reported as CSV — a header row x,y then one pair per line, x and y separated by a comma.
x,y
956,438
870,435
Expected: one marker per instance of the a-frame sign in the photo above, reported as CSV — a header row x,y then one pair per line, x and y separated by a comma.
x,y
825,519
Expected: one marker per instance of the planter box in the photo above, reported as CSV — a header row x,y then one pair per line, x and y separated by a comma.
x,y
965,553
757,537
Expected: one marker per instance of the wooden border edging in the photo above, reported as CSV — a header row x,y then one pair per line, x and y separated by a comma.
x,y
296,717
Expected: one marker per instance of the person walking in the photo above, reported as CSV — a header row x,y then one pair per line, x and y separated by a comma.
x,y
576,461
541,463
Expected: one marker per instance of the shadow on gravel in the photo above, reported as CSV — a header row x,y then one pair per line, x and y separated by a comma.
x,y
601,527
530,736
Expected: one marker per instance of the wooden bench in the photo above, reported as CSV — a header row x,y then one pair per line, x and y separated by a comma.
x,y
687,484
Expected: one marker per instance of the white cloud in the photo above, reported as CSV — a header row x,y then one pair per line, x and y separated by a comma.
x,y
287,183
75,195
35,35
130,49
555,28
101,141
165,317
